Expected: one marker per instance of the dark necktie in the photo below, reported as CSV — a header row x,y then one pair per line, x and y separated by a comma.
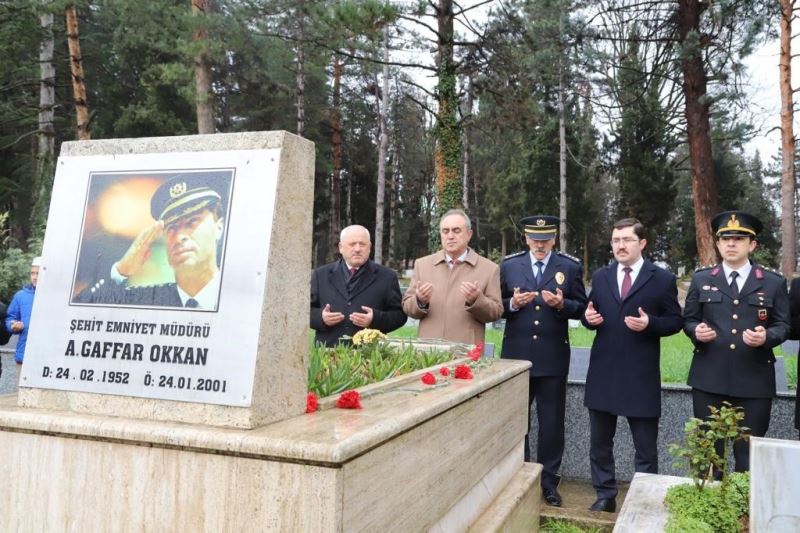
x,y
626,282
353,272
191,303
734,285
539,268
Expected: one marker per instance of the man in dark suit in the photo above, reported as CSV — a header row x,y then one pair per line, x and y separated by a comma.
x,y
189,214
794,308
736,313
541,291
633,303
354,293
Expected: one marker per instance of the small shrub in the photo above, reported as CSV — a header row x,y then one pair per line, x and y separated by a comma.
x,y
715,509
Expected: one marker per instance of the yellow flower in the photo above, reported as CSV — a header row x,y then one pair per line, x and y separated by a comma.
x,y
367,336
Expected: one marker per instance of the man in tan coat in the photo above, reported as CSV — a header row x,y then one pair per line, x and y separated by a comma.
x,y
454,292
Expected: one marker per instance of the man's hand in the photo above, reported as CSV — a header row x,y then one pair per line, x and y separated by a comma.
x,y
521,299
17,326
592,316
755,337
554,300
424,292
139,250
637,323
330,318
470,291
362,320
704,333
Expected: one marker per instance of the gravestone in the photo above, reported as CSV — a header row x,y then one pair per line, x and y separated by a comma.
x,y
774,485
108,344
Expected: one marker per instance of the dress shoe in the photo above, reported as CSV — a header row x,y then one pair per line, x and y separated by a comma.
x,y
608,505
551,497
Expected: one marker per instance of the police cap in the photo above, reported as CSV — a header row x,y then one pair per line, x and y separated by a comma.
x,y
733,223
540,227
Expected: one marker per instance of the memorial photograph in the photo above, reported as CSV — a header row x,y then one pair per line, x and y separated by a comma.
x,y
153,239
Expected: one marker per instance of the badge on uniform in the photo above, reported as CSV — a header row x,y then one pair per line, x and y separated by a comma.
x,y
762,314
560,278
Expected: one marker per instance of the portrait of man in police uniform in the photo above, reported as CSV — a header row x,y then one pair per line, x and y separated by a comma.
x,y
175,260
736,312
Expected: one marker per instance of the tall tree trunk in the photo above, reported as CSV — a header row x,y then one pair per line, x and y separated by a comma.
x,y
390,257
336,146
76,68
204,97
467,114
300,74
45,150
562,165
788,228
448,136
704,189
383,147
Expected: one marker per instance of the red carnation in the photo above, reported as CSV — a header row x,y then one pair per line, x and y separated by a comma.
x,y
428,378
463,372
349,399
444,371
311,403
476,352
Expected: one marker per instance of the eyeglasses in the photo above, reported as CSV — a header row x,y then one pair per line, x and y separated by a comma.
x,y
625,240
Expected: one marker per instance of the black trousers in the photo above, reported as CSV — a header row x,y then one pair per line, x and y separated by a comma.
x,y
756,417
550,394
603,426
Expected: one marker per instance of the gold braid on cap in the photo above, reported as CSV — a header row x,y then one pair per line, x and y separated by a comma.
x,y
734,225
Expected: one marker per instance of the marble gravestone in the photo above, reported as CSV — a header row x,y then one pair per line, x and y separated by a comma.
x,y
239,363
774,485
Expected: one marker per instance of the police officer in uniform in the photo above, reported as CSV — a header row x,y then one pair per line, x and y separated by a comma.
x,y
736,312
541,290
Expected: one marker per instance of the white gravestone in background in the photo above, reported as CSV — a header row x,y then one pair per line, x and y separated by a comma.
x,y
774,485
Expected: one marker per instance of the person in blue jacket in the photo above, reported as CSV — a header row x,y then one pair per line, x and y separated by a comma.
x,y
18,317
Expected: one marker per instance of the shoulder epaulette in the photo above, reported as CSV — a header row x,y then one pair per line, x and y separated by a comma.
x,y
703,267
773,271
515,254
570,257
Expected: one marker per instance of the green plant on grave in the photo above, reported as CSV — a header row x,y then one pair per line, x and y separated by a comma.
x,y
699,453
369,358
714,510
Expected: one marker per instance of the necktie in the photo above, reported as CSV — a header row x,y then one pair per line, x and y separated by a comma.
x,y
734,285
539,268
626,282
191,303
453,263
353,272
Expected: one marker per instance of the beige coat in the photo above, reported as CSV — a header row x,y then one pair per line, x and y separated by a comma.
x,y
447,316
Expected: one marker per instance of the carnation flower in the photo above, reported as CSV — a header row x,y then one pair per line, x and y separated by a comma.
x,y
444,371
428,378
476,352
349,399
463,372
367,336
311,403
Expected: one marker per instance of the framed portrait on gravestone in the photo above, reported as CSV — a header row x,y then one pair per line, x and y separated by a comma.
x,y
153,276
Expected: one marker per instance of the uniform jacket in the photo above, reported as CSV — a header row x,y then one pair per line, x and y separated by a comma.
x,y
624,376
726,365
377,287
110,293
448,316
794,306
537,332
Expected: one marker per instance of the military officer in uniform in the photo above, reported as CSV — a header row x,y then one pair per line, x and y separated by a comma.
x,y
542,289
189,215
736,312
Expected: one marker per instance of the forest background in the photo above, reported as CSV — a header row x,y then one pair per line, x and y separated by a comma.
x,y
591,111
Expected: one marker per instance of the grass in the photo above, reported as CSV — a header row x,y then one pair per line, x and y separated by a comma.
x,y
676,351
557,525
